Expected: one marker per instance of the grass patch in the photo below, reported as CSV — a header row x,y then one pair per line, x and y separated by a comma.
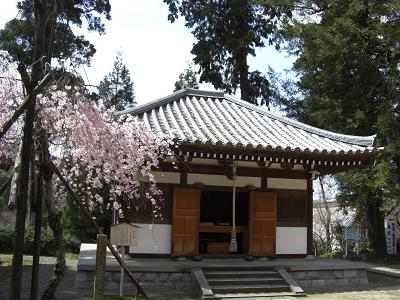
x,y
6,265
70,255
6,259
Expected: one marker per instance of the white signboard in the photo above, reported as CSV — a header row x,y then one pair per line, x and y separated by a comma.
x,y
351,234
391,236
124,234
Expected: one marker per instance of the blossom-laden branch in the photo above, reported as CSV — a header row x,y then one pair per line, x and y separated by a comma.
x,y
99,151
96,151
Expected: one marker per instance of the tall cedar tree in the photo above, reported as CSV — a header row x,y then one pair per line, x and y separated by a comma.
x,y
348,64
116,88
187,79
226,33
41,34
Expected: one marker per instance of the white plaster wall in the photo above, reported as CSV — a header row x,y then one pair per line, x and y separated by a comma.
x,y
248,164
153,239
283,183
221,180
167,177
291,240
205,161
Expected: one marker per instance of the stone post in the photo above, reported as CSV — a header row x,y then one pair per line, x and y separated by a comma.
x,y
98,292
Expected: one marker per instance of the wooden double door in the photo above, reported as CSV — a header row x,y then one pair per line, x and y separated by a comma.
x,y
186,221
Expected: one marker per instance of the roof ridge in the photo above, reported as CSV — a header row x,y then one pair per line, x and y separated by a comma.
x,y
346,138
172,97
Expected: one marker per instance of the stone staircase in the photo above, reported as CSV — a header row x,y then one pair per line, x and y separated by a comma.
x,y
245,282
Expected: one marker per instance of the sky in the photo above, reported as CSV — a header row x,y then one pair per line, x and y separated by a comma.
x,y
154,50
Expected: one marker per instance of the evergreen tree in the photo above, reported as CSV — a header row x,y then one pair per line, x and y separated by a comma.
x,y
226,33
187,79
60,42
349,77
116,88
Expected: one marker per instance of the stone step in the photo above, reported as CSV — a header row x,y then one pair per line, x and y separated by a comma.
x,y
238,274
253,296
245,280
238,268
263,288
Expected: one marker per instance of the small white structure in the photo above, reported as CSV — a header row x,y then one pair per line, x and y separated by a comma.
x,y
124,234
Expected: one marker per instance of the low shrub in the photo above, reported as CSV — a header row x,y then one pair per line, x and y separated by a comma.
x,y
47,242
333,254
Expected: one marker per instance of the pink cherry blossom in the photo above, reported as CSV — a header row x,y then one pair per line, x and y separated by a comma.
x,y
94,150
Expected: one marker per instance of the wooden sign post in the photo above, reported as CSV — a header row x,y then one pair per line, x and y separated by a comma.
x,y
98,290
123,234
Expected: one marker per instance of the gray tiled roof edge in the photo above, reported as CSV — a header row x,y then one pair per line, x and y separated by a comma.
x,y
352,139
366,141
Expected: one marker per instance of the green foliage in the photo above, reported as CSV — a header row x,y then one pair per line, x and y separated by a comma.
x,y
349,77
47,243
77,225
17,37
187,79
116,88
226,33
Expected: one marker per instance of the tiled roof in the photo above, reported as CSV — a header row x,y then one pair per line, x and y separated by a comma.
x,y
214,118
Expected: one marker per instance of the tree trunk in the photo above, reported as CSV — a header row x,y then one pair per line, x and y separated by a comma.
x,y
244,76
328,217
38,229
31,188
5,185
239,21
376,227
54,218
12,200
41,7
22,197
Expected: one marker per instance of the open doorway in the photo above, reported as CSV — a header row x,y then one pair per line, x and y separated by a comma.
x,y
216,221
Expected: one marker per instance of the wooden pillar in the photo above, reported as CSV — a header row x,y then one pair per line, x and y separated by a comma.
x,y
184,175
264,182
98,293
309,216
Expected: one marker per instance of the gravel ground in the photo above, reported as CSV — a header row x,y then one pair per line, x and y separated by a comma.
x,y
380,287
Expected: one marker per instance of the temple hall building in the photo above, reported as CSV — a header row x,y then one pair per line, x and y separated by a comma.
x,y
240,179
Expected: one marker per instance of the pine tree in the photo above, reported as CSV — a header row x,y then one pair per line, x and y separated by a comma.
x,y
226,33
349,77
116,88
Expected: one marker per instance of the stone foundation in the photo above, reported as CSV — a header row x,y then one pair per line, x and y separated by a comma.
x,y
318,278
175,283
152,282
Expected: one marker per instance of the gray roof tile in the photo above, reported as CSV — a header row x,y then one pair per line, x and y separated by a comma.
x,y
195,116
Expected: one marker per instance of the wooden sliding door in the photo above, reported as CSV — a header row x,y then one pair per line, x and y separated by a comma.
x,y
185,221
262,223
